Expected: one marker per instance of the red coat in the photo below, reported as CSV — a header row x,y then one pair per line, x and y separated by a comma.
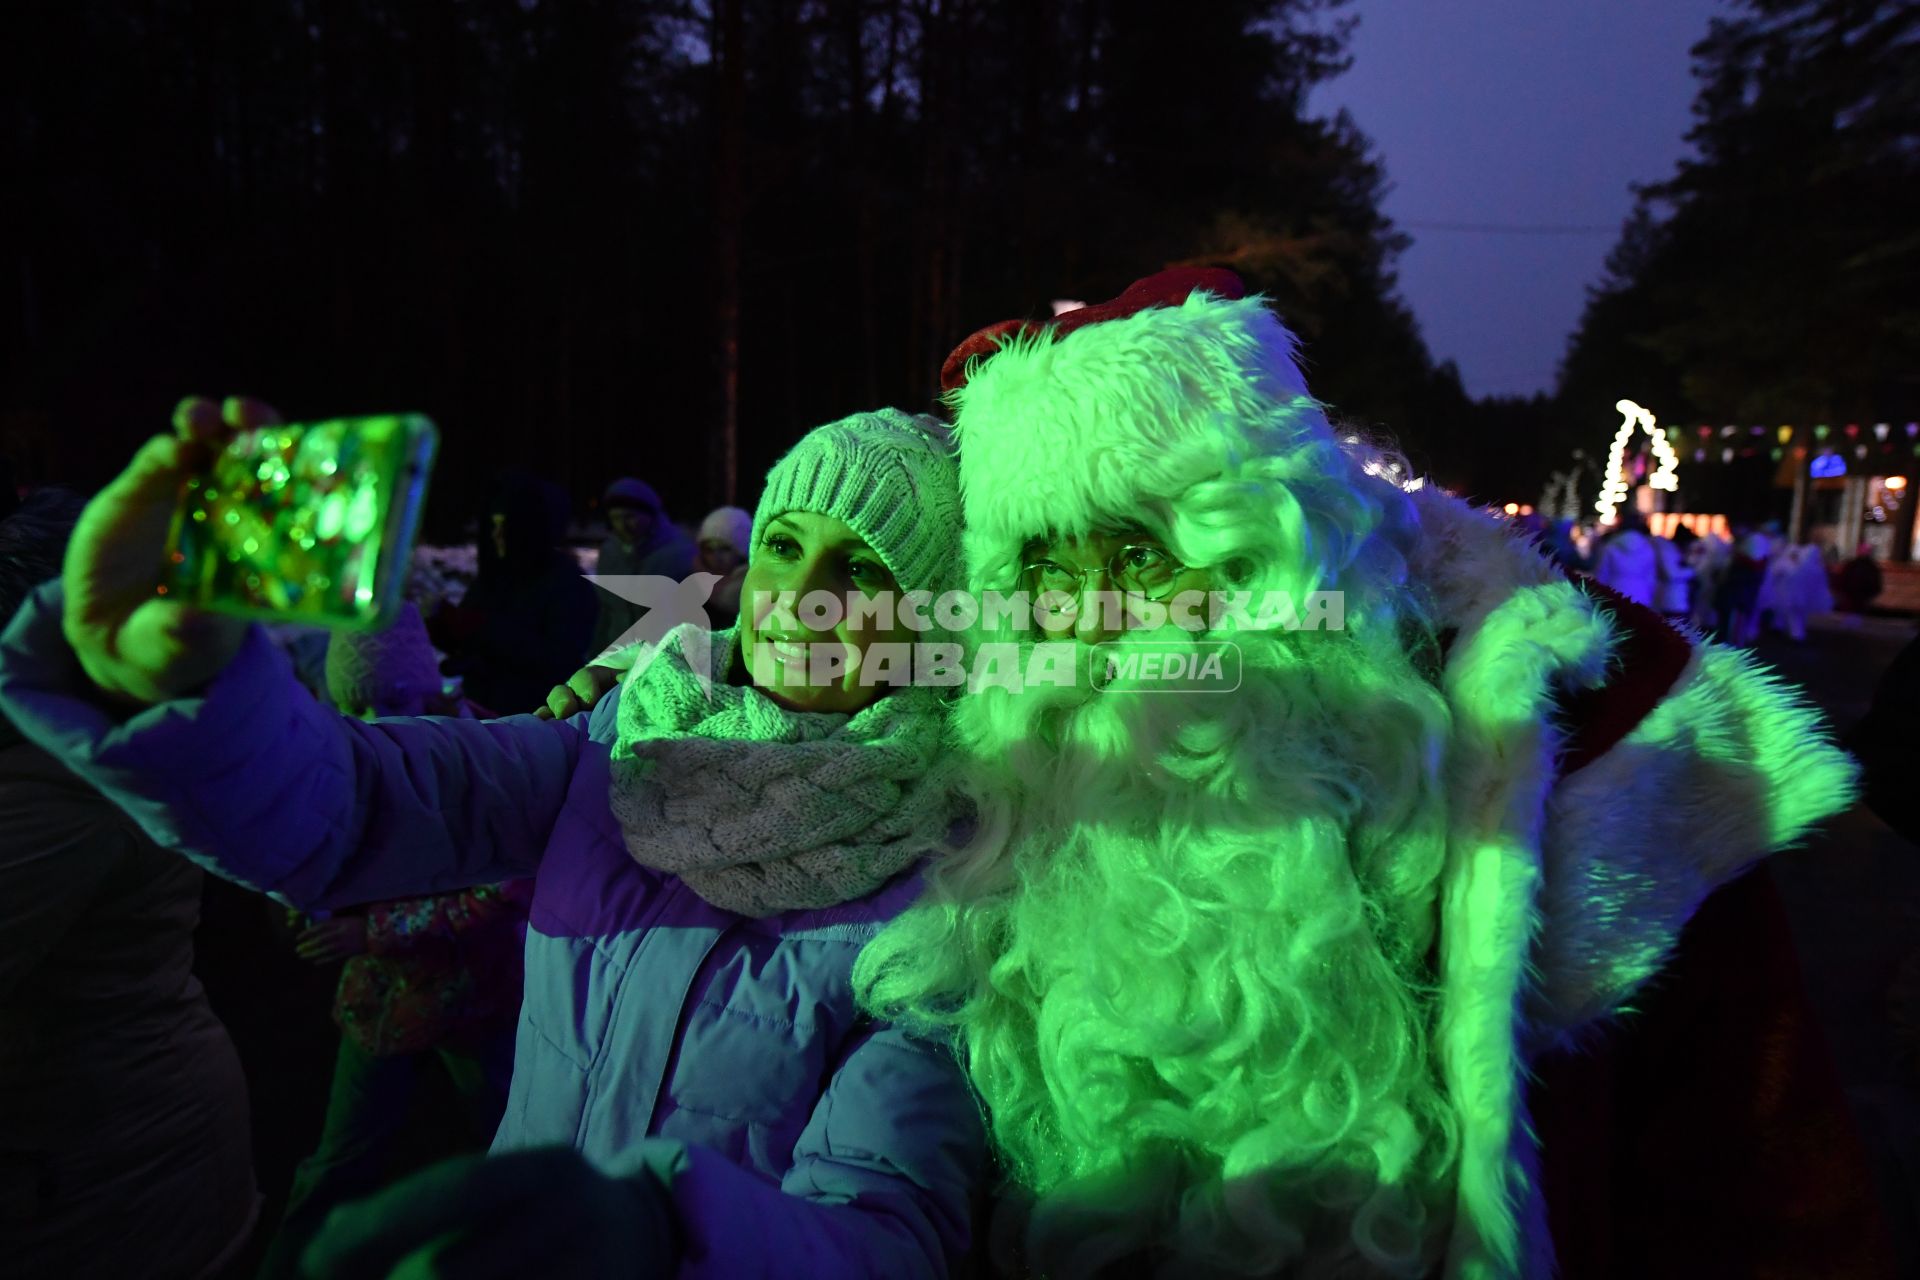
x,y
1705,1133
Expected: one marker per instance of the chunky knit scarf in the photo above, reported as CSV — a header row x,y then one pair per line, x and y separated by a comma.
x,y
762,810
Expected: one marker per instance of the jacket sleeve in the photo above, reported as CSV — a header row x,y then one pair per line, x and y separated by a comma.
x,y
259,782
882,1185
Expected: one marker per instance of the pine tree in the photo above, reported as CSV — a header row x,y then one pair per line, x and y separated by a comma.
x,y
1780,286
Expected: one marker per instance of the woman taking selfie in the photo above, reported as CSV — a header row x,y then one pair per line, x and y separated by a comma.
x,y
693,1090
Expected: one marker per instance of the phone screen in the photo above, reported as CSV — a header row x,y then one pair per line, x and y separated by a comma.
x,y
305,522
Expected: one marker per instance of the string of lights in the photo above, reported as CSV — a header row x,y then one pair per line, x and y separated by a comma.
x,y
1618,482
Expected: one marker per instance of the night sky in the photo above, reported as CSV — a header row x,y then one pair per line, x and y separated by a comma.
x,y
1531,113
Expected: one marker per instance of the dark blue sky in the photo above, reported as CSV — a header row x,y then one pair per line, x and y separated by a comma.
x,y
1535,113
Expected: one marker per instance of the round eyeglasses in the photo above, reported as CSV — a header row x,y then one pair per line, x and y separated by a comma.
x,y
1138,569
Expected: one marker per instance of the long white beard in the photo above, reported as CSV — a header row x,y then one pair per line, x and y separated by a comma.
x,y
1136,756
1185,939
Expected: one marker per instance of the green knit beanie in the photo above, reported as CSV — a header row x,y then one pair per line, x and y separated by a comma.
x,y
889,476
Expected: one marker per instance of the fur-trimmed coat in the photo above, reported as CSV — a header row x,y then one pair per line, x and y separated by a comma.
x,y
1706,1133
1608,773
1605,774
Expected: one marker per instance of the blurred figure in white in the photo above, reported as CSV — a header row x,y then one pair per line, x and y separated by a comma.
x,y
1673,588
1627,560
1796,588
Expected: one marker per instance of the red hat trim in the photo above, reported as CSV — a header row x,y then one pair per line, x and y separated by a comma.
x,y
1168,288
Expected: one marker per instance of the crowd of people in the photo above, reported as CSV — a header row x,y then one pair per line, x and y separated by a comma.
x,y
1731,589
743,969
529,617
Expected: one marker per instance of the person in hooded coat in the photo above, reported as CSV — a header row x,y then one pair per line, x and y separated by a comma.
x,y
641,542
1796,588
528,621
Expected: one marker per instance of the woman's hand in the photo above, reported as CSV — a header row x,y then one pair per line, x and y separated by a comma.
x,y
331,940
583,688
139,647
544,1212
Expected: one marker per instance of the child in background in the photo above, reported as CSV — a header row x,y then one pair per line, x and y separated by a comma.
x,y
1740,587
437,976
1673,586
1709,558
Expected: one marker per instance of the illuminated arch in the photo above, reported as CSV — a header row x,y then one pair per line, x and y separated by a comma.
x,y
1666,475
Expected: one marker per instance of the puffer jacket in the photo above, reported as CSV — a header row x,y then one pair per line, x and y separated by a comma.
x,y
658,1032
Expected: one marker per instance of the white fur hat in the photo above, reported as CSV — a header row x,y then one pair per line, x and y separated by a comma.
x,y
1067,427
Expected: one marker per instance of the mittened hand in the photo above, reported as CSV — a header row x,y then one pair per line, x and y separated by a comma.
x,y
137,646
542,1212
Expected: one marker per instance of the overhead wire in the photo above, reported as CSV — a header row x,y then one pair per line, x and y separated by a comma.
x,y
1504,228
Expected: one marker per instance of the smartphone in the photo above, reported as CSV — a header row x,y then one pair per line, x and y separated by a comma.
x,y
307,522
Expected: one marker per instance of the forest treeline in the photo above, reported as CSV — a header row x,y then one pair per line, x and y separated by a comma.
x,y
1774,279
585,236
664,237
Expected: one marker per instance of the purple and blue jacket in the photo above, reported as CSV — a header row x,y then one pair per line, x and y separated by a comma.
x,y
659,1033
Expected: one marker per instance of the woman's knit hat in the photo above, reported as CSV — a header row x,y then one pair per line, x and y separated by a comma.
x,y
891,478
391,672
730,525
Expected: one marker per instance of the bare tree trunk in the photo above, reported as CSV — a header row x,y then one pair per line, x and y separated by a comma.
x,y
852,32
438,179
562,411
730,80
925,351
1083,107
333,163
